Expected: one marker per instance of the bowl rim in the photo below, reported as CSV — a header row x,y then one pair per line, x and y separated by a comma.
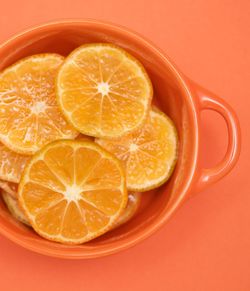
x,y
113,247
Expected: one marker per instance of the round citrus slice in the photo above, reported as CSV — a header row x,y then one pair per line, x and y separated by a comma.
x,y
134,200
72,191
9,187
30,117
14,208
11,164
103,91
149,154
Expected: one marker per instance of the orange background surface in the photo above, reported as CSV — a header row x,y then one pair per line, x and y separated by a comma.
x,y
206,246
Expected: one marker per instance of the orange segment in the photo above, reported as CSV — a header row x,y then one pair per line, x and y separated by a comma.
x,y
103,91
14,208
38,197
149,154
134,200
9,187
30,117
73,191
11,164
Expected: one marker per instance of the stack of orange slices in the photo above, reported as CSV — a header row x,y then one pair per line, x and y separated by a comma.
x,y
79,141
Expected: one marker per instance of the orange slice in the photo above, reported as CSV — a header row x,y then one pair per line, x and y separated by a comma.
x,y
14,208
11,164
29,114
103,91
72,191
134,200
149,155
9,187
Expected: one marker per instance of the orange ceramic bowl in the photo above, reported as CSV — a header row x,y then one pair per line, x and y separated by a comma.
x,y
174,93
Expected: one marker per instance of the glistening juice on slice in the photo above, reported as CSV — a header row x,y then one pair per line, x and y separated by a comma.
x,y
29,114
73,191
103,91
149,154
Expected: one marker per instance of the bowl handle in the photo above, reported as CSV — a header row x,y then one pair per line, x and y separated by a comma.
x,y
209,101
